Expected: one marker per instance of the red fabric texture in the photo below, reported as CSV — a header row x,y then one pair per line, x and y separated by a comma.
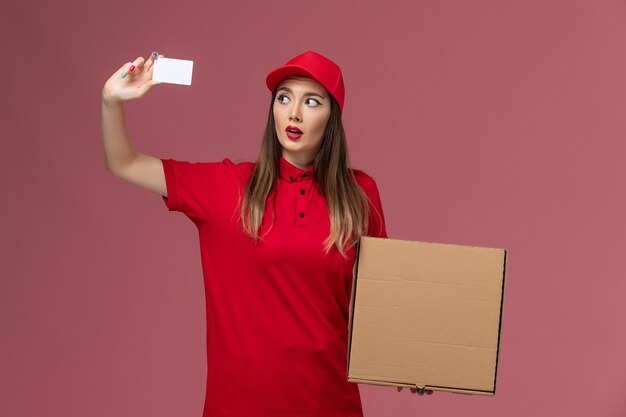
x,y
277,311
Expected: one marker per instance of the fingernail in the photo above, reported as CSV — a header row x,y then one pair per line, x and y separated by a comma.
x,y
132,68
123,75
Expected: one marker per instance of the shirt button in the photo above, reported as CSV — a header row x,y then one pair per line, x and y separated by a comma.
x,y
290,179
303,175
301,214
302,192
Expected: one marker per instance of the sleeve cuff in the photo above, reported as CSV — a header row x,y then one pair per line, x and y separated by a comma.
x,y
171,201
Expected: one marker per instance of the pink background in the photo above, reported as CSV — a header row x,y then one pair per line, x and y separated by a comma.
x,y
488,123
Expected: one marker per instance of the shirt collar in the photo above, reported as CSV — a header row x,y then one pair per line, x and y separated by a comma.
x,y
292,173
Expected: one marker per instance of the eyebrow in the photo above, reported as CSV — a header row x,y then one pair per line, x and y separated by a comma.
x,y
306,94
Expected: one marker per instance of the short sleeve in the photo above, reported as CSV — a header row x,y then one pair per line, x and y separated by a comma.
x,y
193,188
376,220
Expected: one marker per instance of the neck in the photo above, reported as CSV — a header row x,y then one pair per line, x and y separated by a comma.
x,y
300,161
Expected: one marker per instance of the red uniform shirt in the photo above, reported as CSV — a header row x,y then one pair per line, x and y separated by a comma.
x,y
277,311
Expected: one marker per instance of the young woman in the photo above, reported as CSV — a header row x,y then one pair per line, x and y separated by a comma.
x,y
277,239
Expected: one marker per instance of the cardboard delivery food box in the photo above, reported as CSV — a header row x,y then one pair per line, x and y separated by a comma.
x,y
426,315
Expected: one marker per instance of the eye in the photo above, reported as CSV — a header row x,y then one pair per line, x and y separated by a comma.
x,y
317,103
279,98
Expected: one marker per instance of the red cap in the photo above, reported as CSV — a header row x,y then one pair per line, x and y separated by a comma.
x,y
316,66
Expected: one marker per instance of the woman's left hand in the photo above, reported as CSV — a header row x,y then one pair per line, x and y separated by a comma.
x,y
418,391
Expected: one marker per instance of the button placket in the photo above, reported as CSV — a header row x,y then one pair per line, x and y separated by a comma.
x,y
302,200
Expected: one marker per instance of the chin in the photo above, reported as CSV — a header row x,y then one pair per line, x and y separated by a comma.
x,y
289,144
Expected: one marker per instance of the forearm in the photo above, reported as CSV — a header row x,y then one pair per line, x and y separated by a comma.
x,y
118,150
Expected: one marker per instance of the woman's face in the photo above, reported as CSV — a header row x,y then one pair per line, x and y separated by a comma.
x,y
301,103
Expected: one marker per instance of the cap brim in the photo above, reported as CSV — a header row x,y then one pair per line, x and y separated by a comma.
x,y
277,75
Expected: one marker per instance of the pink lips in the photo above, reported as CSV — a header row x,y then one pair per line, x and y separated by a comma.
x,y
296,134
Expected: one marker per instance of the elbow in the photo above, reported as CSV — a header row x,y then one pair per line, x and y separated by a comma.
x,y
111,168
108,167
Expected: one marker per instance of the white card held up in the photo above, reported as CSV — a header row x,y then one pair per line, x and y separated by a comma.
x,y
173,71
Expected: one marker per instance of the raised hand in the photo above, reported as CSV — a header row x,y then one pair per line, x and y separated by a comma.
x,y
132,80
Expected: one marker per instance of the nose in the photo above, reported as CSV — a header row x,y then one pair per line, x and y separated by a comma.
x,y
295,114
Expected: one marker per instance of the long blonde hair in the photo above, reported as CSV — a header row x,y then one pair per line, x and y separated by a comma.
x,y
347,203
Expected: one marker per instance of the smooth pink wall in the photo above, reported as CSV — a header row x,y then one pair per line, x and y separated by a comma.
x,y
489,123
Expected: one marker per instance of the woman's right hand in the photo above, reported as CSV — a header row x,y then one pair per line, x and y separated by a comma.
x,y
136,82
